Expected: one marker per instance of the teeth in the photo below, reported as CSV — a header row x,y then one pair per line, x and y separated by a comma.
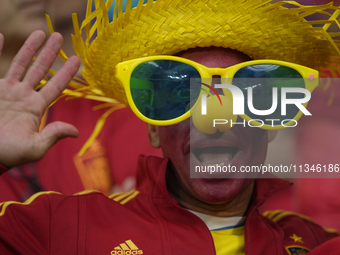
x,y
220,164
216,155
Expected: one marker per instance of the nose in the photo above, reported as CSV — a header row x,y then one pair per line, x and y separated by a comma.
x,y
219,114
216,79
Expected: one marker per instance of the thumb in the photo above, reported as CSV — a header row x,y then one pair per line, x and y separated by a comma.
x,y
52,133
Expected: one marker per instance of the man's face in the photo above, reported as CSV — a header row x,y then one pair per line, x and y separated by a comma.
x,y
240,146
19,18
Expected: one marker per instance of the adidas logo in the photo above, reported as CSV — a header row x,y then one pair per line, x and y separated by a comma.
x,y
127,248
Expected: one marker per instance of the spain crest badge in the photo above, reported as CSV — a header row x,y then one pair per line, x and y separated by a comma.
x,y
297,250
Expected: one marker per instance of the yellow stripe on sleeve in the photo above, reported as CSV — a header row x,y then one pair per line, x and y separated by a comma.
x,y
4,205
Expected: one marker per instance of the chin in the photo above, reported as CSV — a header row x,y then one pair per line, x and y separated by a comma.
x,y
219,191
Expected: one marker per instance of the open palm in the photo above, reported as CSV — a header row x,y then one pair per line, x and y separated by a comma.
x,y
22,107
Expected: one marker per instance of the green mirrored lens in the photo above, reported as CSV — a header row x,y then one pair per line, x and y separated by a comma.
x,y
263,78
161,89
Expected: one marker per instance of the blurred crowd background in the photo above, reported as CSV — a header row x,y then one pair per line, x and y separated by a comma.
x,y
109,164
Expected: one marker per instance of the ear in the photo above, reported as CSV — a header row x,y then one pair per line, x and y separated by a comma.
x,y
271,135
154,136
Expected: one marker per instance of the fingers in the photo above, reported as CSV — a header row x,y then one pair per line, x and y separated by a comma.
x,y
1,43
59,82
44,61
25,55
52,133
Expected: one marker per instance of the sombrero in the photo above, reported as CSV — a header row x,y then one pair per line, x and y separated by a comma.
x,y
261,29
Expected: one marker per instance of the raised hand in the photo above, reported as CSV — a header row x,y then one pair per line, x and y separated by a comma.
x,y
21,107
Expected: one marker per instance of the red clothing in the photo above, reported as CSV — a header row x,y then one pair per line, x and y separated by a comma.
x,y
147,221
317,142
331,247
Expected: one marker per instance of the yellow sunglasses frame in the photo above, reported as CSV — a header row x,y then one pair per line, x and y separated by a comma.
x,y
125,69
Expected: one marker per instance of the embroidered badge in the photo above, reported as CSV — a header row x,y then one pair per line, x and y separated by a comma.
x,y
296,250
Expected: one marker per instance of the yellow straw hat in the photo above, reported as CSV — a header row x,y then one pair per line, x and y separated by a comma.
x,y
258,28
164,27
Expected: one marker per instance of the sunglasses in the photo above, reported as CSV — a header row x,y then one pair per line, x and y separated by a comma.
x,y
161,90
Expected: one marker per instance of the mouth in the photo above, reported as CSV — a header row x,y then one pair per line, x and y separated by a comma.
x,y
216,155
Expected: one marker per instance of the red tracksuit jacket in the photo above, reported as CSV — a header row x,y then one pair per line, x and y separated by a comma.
x,y
147,221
